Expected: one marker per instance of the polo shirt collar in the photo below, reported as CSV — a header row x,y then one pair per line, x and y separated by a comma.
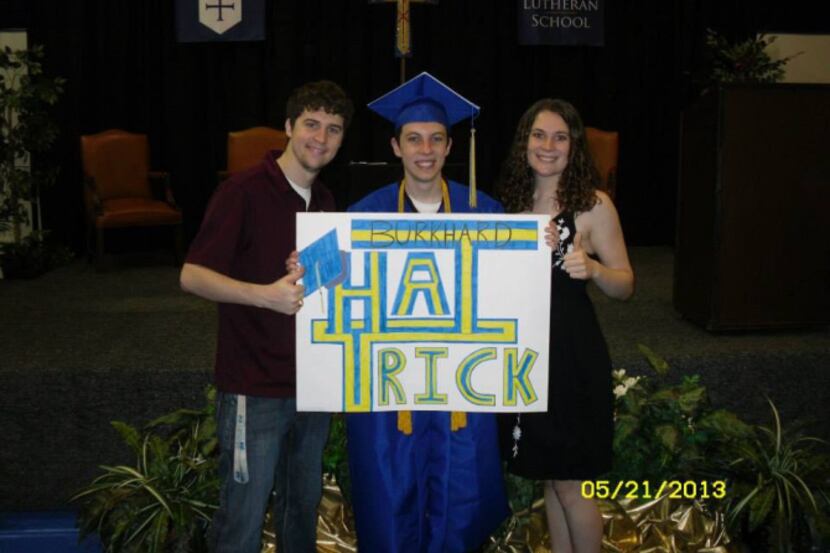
x,y
281,181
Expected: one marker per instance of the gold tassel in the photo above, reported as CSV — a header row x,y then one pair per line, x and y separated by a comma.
x,y
405,422
458,420
473,197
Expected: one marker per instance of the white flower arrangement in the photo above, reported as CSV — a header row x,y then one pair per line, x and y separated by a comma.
x,y
624,383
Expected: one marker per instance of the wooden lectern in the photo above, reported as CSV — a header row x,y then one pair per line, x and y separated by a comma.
x,y
753,216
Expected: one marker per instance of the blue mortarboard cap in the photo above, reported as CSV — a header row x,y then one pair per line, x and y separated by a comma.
x,y
424,99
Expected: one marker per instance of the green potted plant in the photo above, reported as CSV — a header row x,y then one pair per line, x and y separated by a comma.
x,y
667,431
26,129
776,496
745,61
779,487
166,501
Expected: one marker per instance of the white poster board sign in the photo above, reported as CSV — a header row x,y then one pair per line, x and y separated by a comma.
x,y
444,312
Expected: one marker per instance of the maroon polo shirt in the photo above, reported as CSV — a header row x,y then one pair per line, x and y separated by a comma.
x,y
247,234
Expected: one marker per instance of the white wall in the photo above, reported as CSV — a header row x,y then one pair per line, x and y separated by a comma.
x,y
812,65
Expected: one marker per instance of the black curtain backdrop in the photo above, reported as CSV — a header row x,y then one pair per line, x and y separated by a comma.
x,y
126,70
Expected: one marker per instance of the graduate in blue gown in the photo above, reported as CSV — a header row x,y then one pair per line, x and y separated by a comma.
x,y
425,481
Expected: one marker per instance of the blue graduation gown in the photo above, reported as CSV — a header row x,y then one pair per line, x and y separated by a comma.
x,y
436,490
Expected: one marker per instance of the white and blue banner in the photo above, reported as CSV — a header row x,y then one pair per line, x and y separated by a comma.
x,y
561,22
423,312
220,20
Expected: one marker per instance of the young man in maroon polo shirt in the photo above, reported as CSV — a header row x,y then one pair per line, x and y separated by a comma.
x,y
238,260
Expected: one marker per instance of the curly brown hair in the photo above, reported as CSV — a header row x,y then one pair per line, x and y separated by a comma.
x,y
580,179
319,95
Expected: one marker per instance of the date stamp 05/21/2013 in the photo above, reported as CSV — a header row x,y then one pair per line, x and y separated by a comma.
x,y
636,489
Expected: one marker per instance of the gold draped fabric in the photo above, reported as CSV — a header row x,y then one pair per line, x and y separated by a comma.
x,y
661,525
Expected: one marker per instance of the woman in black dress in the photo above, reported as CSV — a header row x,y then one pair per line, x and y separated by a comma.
x,y
550,171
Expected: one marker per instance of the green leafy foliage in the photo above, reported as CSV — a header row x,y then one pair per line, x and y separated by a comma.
x,y
335,456
743,62
777,479
33,255
26,127
522,493
666,431
166,501
778,485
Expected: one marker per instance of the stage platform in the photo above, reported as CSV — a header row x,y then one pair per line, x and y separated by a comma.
x,y
80,348
43,532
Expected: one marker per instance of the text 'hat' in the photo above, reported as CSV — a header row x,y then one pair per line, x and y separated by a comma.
x,y
425,99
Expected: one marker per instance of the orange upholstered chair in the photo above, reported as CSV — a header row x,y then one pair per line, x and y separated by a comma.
x,y
247,147
119,188
605,149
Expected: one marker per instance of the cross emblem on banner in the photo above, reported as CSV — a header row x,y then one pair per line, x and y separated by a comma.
x,y
220,15
403,43
403,35
219,7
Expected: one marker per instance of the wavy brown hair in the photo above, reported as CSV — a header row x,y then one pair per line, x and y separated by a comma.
x,y
319,95
580,179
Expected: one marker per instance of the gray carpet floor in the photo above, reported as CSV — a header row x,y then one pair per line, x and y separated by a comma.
x,y
79,348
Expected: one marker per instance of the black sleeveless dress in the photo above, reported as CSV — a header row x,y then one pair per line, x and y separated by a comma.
x,y
572,440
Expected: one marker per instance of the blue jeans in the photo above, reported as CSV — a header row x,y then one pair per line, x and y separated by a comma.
x,y
284,452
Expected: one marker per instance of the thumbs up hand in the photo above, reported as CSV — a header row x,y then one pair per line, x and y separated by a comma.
x,y
285,295
577,263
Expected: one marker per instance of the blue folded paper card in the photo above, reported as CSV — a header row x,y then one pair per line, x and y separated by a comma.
x,y
323,263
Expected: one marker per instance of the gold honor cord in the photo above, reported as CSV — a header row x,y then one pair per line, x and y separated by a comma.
x,y
473,199
458,419
445,196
